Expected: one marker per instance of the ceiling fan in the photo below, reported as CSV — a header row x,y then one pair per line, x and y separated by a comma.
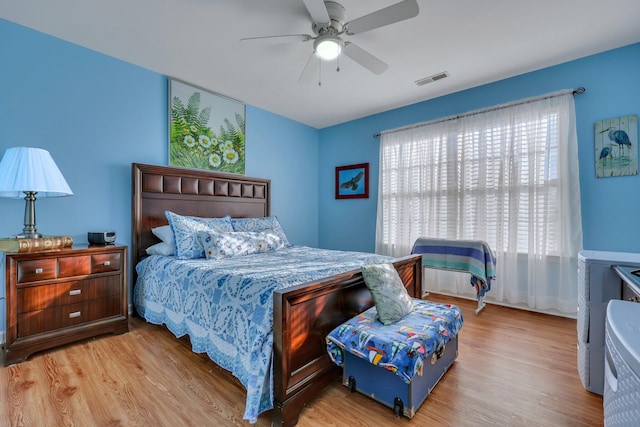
x,y
329,23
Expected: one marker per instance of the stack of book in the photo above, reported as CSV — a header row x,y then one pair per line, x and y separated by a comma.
x,y
45,243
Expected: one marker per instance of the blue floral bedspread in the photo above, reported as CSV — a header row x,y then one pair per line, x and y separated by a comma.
x,y
226,306
401,347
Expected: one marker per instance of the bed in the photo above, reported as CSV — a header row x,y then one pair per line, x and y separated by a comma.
x,y
303,314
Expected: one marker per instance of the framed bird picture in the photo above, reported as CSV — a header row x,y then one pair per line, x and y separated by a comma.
x,y
352,182
616,146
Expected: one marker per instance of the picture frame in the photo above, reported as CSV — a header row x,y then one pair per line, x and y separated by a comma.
x,y
352,181
616,146
206,129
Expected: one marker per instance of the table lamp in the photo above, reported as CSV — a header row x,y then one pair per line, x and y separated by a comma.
x,y
30,171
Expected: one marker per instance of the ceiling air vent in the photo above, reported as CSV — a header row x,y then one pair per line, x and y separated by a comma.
x,y
433,78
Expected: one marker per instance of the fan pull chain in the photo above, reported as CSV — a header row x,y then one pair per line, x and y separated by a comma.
x,y
338,69
319,72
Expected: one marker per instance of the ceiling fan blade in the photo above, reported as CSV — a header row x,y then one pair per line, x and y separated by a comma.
x,y
318,11
396,12
364,58
287,38
310,69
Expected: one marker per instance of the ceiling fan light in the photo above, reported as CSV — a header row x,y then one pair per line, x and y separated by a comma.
x,y
328,47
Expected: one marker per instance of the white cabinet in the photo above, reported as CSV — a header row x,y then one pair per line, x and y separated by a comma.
x,y
598,283
622,368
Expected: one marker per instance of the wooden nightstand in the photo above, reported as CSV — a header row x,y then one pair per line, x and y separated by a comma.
x,y
60,296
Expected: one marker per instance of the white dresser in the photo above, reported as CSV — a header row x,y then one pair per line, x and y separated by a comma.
x,y
598,283
622,364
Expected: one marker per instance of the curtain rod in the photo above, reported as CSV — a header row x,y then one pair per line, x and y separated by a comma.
x,y
578,91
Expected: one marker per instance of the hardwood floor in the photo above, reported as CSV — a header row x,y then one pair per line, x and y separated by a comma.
x,y
514,368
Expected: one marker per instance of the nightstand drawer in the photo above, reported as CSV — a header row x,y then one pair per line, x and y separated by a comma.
x,y
36,322
74,266
105,262
32,271
34,298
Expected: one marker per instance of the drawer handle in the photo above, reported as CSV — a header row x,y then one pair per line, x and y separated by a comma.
x,y
75,292
39,270
74,314
107,263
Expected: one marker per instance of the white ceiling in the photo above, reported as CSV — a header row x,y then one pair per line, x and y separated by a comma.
x,y
197,41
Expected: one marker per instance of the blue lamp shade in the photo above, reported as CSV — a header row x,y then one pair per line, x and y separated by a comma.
x,y
25,169
25,172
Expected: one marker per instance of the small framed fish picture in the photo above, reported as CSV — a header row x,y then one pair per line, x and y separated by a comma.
x,y
352,182
616,146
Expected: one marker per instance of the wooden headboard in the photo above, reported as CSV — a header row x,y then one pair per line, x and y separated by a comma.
x,y
157,189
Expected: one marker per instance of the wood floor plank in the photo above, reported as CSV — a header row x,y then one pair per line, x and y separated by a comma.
x,y
514,368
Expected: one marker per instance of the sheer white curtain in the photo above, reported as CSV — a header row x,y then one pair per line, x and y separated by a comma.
x,y
506,175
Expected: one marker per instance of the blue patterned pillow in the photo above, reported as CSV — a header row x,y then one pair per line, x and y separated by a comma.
x,y
389,294
185,231
239,243
260,224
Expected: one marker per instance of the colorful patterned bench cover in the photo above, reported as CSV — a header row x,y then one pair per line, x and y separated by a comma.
x,y
401,347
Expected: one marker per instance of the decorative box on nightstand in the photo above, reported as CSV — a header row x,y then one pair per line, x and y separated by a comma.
x,y
60,296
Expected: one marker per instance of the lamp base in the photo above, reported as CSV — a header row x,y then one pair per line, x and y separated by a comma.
x,y
29,236
29,231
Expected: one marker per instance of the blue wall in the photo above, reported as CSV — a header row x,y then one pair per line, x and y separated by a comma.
x,y
610,206
96,115
286,152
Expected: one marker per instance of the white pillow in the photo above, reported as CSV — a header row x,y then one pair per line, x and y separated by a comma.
x,y
167,247
164,233
161,248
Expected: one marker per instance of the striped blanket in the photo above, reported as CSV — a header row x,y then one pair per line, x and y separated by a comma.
x,y
473,256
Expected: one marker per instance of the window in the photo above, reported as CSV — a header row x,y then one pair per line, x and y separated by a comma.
x,y
507,176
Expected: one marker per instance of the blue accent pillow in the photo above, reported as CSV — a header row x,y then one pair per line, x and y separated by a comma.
x,y
239,243
185,231
260,224
389,294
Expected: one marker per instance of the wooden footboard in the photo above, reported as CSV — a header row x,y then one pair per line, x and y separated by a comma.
x,y
303,316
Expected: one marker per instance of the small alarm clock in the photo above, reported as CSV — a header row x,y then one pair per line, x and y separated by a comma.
x,y
101,237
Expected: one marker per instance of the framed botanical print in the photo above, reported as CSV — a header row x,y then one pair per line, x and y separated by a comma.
x,y
206,130
352,182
